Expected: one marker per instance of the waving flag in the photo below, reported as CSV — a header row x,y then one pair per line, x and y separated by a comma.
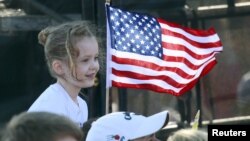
x,y
149,53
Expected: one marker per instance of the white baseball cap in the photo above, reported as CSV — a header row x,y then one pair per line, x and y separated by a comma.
x,y
124,126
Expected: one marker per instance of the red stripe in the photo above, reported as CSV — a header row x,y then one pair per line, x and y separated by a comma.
x,y
185,49
144,86
151,66
196,32
140,76
192,42
182,60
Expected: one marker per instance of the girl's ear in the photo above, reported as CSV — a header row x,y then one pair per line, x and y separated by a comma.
x,y
57,66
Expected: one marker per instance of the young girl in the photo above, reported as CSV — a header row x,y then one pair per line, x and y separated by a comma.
x,y
71,52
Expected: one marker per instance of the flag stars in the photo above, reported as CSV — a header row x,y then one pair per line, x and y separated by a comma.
x,y
156,48
152,52
132,31
157,36
148,25
125,16
127,35
117,23
112,18
127,25
118,33
122,29
151,43
125,48
135,33
119,42
137,36
133,41
141,32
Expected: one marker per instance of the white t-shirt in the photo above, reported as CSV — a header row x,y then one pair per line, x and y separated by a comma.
x,y
56,100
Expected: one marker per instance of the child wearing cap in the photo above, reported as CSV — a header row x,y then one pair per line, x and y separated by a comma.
x,y
127,126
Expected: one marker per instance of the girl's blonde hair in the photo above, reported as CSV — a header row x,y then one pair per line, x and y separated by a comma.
x,y
59,42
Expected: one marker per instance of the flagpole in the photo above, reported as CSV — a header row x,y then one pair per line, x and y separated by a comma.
x,y
108,71
108,2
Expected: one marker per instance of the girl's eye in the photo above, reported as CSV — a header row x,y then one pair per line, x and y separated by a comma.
x,y
97,57
85,60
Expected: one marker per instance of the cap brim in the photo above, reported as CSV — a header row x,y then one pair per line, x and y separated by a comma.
x,y
152,124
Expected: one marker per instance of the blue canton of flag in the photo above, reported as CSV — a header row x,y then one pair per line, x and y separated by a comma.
x,y
135,33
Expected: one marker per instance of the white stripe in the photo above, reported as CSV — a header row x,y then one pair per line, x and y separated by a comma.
x,y
207,39
157,82
194,49
180,53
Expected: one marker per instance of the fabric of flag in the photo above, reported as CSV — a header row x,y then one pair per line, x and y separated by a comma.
x,y
150,53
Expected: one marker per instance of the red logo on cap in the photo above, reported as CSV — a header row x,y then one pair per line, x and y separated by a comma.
x,y
116,137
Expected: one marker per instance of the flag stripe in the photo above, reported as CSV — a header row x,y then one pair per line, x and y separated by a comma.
x,y
178,41
152,66
169,46
140,76
201,36
177,36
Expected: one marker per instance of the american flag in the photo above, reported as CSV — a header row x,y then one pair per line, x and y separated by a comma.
x,y
145,52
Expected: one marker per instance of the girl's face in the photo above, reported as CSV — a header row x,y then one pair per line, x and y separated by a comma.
x,y
87,64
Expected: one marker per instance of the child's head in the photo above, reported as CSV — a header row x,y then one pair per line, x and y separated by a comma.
x,y
127,126
41,126
188,134
71,51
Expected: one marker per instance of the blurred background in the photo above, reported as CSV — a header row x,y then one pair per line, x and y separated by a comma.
x,y
222,93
